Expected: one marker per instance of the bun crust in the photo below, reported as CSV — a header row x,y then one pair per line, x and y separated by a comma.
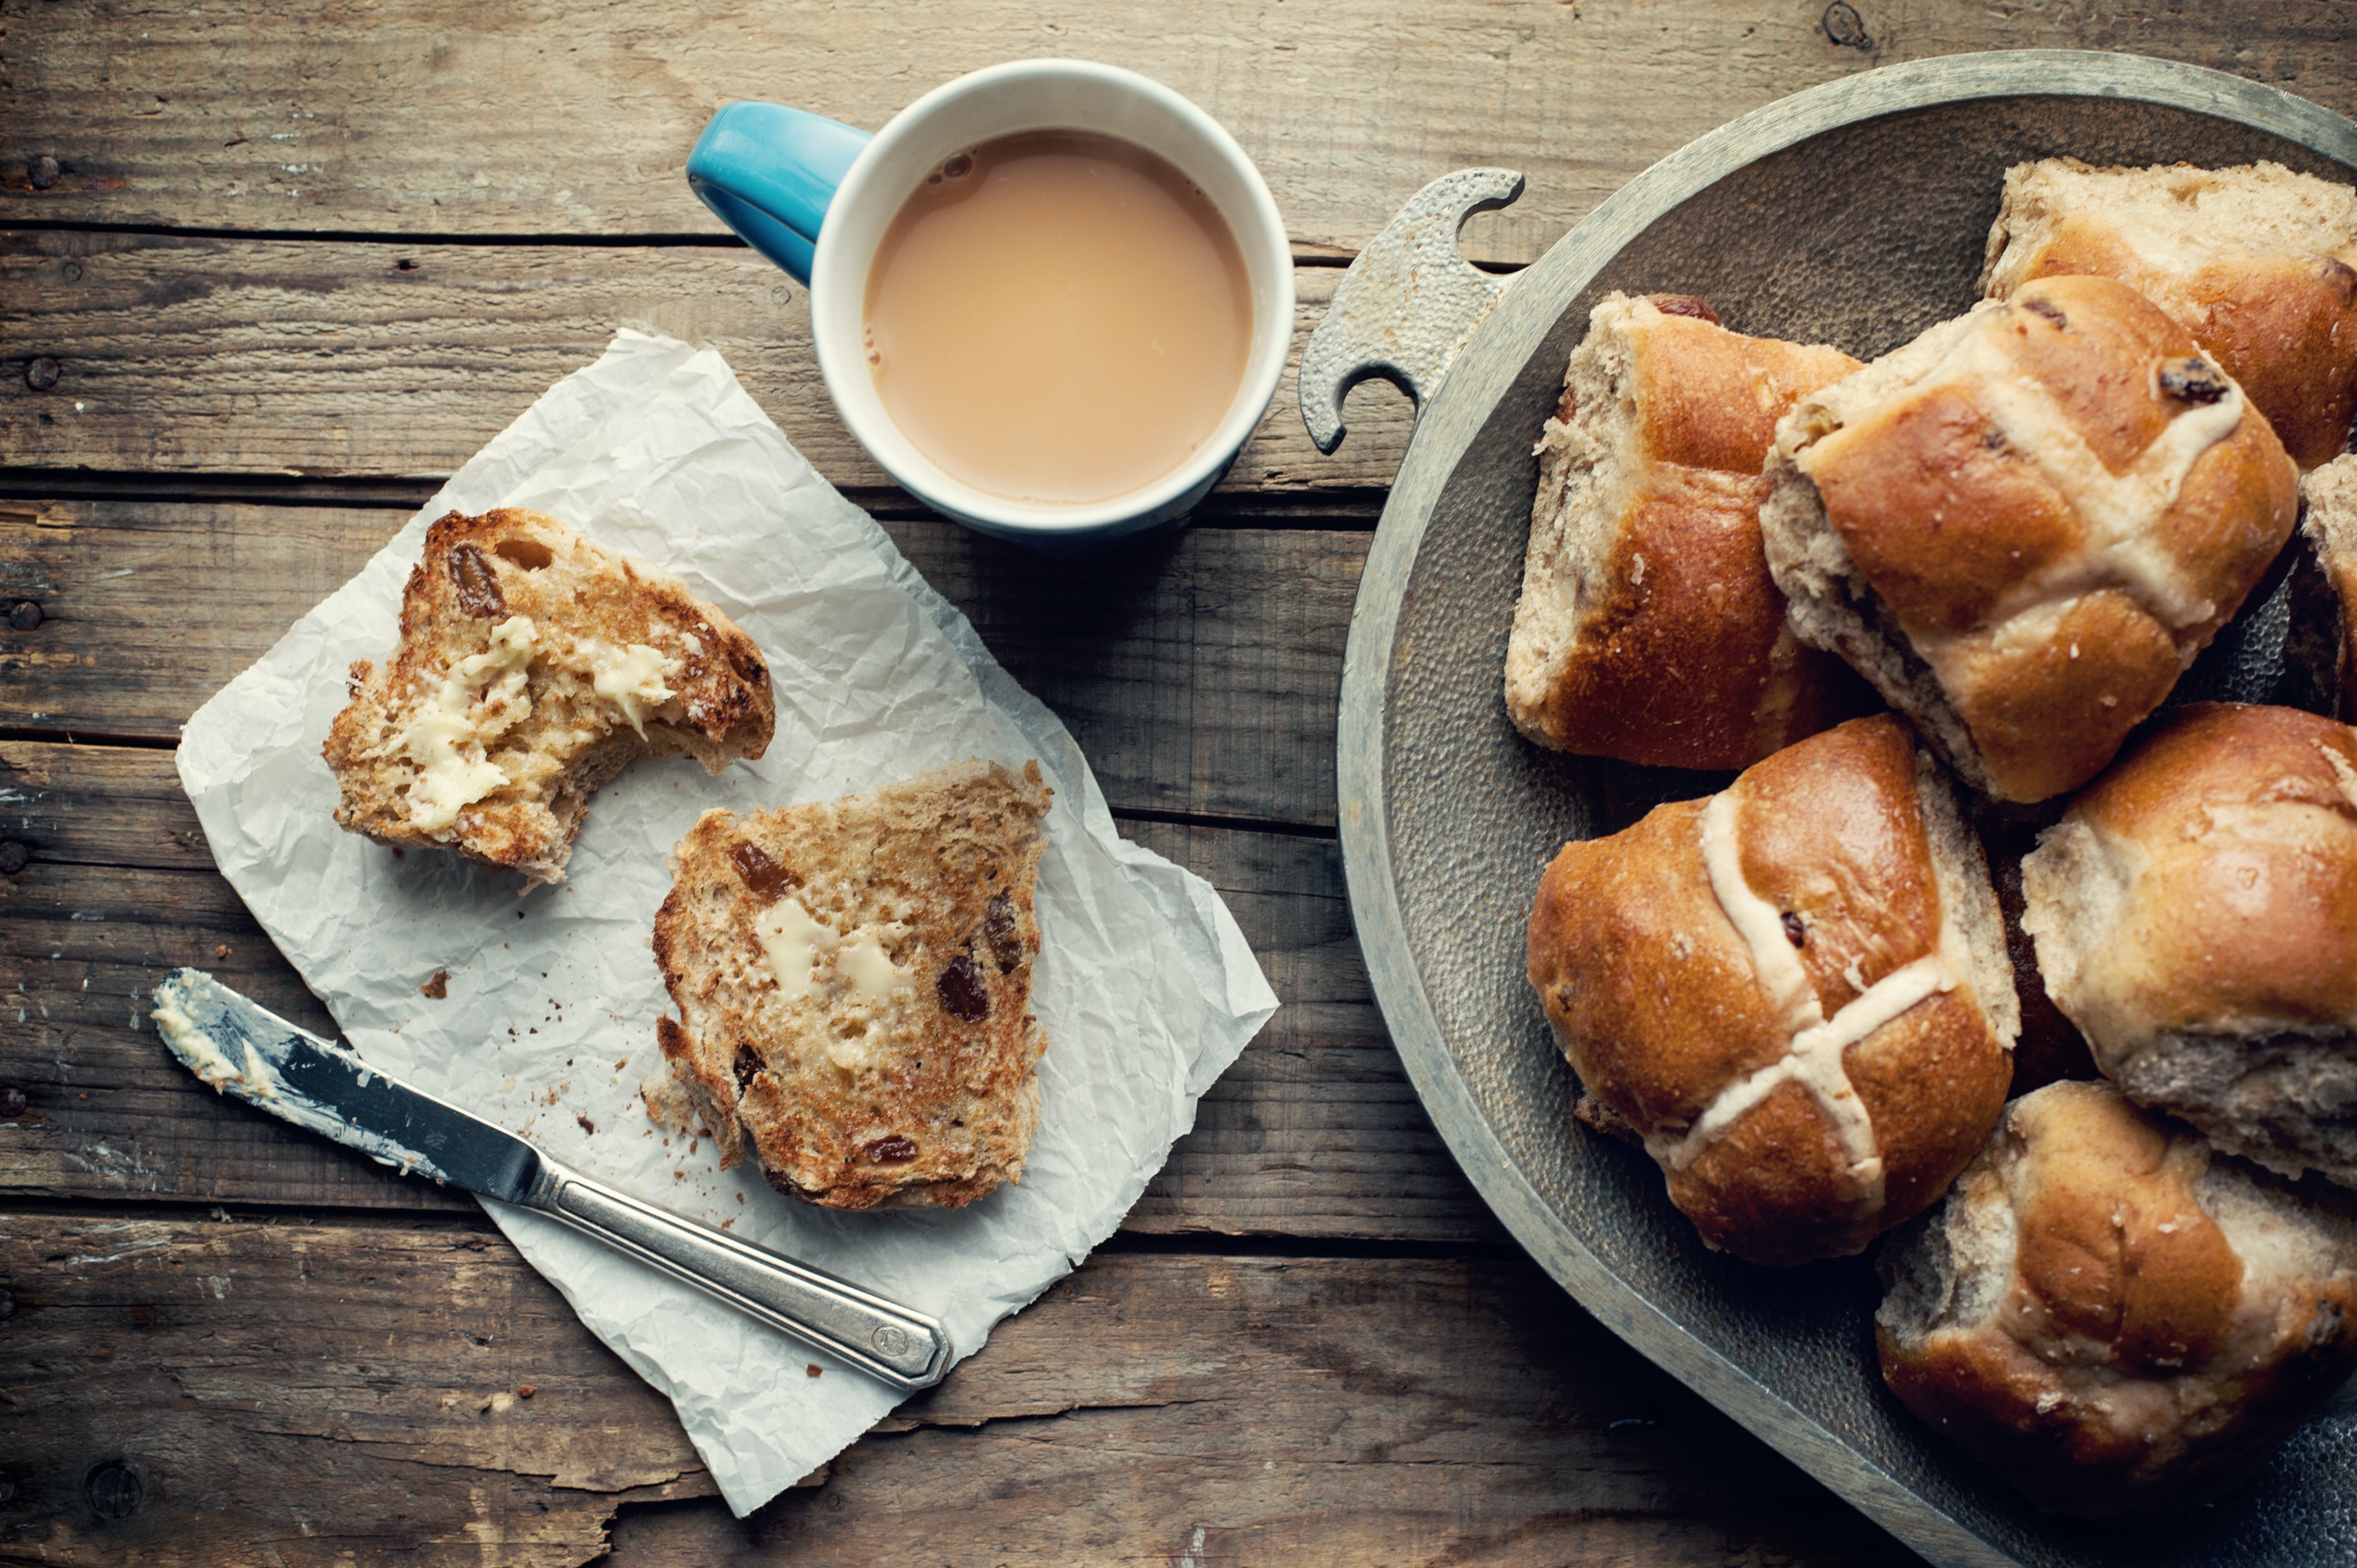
x,y
2111,1318
1690,965
2258,263
853,983
2023,526
533,666
1648,629
2329,522
2195,913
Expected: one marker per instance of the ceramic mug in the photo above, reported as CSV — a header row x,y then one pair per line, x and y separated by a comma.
x,y
816,196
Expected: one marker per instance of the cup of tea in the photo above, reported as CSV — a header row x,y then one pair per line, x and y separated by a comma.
x,y
1051,298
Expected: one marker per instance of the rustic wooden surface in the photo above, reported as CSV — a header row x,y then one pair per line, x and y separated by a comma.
x,y
293,266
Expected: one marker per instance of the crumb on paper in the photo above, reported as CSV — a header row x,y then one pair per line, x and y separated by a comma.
x,y
812,1370
437,985
666,1103
586,1125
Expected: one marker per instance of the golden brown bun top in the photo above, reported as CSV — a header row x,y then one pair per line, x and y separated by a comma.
x,y
2256,262
1656,998
1829,831
2111,1318
1711,397
2032,479
2234,829
2113,1245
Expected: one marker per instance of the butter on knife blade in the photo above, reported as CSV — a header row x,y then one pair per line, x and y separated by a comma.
x,y
239,1049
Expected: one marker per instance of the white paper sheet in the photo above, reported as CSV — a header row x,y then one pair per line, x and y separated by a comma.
x,y
1145,987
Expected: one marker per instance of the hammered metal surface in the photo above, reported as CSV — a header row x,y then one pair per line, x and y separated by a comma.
x,y
1859,236
1408,303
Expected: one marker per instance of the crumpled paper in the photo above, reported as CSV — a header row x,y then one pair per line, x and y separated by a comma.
x,y
1145,985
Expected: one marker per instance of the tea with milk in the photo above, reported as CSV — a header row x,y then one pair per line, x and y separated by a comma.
x,y
1058,317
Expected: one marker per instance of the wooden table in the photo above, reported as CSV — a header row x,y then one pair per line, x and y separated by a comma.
x,y
267,275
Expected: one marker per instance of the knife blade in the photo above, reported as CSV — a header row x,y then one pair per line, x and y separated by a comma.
x,y
242,1048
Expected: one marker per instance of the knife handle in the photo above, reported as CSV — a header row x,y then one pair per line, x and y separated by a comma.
x,y
890,1343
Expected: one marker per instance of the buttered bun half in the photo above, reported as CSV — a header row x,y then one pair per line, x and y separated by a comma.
x,y
1648,629
1794,993
2195,913
2023,526
2112,1318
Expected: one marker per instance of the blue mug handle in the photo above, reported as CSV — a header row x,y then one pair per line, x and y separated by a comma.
x,y
771,172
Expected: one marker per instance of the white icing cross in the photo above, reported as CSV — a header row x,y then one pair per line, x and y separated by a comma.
x,y
1813,1058
2116,510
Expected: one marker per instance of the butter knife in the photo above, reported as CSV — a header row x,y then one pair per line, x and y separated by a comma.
x,y
238,1047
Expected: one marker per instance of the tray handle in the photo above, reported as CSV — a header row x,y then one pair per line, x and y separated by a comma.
x,y
1408,303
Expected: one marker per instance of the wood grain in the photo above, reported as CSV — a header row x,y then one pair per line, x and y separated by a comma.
x,y
1200,673
292,1393
409,116
1315,1132
207,356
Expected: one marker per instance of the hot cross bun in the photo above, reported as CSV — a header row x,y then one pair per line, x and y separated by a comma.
x,y
2258,263
2111,1318
1795,993
1648,629
2024,525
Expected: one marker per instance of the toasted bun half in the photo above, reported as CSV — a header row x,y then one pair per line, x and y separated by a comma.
x,y
535,665
1795,994
853,983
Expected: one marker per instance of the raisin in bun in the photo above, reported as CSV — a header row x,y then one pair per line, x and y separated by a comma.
x,y
2112,1317
2255,262
1648,627
2195,913
1794,993
2023,526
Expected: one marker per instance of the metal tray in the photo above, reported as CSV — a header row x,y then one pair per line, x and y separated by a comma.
x,y
1855,214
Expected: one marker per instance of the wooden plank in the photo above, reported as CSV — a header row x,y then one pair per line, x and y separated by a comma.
x,y
408,116
1200,673
191,1392
1315,1132
296,1392
110,1114
213,355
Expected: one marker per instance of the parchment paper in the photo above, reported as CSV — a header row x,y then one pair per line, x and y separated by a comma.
x,y
1145,985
